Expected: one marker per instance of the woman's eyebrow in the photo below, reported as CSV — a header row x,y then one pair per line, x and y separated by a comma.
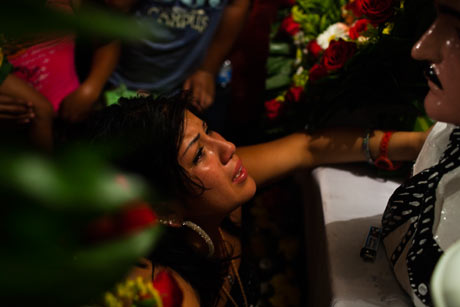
x,y
444,9
195,139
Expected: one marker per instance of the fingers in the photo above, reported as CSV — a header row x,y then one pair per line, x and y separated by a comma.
x,y
204,100
6,99
15,109
201,83
12,108
20,119
16,117
202,97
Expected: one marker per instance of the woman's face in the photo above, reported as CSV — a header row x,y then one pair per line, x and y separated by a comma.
x,y
207,156
440,45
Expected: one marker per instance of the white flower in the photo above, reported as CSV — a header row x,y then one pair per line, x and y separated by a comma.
x,y
333,32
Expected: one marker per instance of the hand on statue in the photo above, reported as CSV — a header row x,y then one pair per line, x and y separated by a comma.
x,y
16,110
78,104
202,85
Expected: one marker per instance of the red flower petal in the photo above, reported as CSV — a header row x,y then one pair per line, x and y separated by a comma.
x,y
294,93
290,26
314,48
317,72
136,217
273,108
170,292
359,27
337,54
351,6
377,11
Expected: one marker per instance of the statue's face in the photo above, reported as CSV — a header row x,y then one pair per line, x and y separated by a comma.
x,y
440,46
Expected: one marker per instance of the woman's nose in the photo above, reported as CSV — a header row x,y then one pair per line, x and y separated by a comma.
x,y
428,47
225,149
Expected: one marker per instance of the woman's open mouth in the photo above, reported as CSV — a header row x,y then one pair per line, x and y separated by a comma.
x,y
240,173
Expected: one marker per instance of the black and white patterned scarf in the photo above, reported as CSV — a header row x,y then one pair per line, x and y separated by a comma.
x,y
414,203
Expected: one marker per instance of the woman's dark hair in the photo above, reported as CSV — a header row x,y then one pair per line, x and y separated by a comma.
x,y
150,132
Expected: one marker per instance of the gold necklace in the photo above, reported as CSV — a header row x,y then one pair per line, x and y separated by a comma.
x,y
237,275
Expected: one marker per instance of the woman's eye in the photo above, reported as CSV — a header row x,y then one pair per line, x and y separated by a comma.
x,y
198,156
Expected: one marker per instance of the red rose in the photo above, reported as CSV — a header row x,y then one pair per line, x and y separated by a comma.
x,y
351,6
377,11
290,26
294,93
359,27
273,108
317,72
338,53
136,217
314,49
167,286
132,218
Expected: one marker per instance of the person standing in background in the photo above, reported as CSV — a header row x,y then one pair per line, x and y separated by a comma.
x,y
190,41
47,62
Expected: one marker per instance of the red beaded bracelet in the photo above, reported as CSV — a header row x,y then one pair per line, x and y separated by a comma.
x,y
382,160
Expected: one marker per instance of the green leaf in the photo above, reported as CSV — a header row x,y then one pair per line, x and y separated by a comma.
x,y
279,70
25,17
276,82
70,277
66,185
280,48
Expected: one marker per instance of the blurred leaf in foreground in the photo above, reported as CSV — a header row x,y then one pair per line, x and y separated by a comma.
x,y
26,17
71,227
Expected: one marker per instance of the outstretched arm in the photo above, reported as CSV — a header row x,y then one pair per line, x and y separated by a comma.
x,y
275,159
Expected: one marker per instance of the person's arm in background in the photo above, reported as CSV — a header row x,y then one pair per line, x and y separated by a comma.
x,y
23,104
78,104
12,110
202,82
15,111
269,161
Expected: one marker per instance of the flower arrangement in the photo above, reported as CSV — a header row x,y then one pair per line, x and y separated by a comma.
x,y
163,291
329,58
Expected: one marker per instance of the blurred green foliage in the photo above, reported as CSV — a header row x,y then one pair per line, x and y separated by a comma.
x,y
26,17
47,203
46,207
316,15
